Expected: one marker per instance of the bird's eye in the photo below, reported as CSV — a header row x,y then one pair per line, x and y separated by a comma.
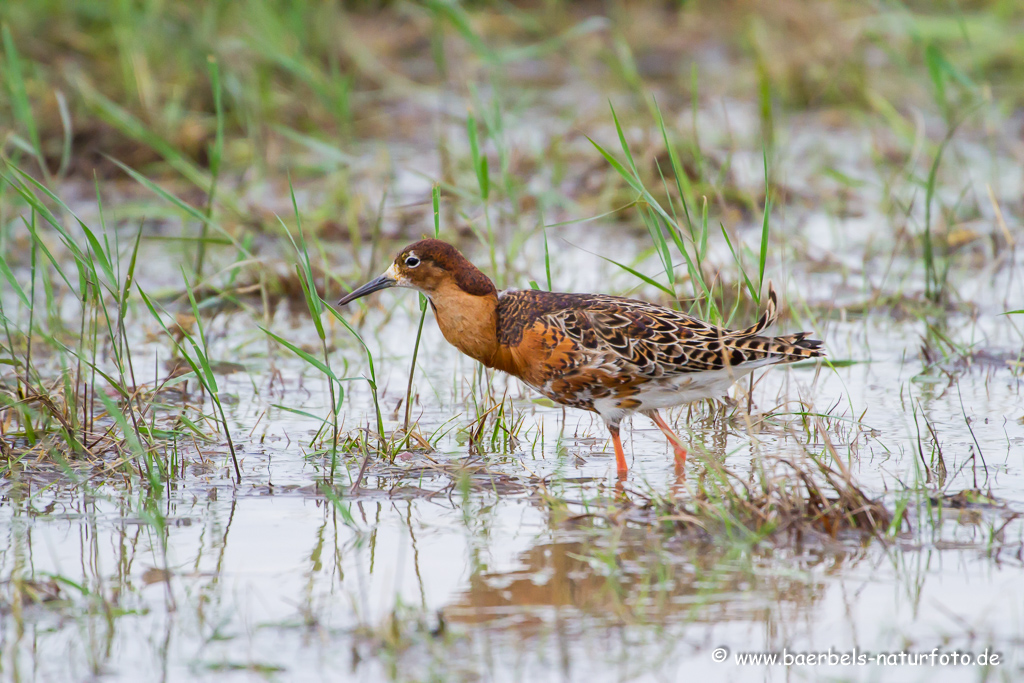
x,y
411,262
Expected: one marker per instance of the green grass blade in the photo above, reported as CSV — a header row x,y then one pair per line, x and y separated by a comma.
x,y
739,264
638,274
617,165
763,256
5,270
216,151
435,195
304,355
15,77
193,212
622,140
479,160
460,21
327,151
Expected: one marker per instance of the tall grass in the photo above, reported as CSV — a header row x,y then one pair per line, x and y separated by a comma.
x,y
14,75
197,355
57,395
436,202
315,305
669,228
216,154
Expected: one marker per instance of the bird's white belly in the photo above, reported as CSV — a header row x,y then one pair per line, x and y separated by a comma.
x,y
676,391
689,388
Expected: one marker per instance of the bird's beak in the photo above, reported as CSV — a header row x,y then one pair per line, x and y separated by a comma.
x,y
383,282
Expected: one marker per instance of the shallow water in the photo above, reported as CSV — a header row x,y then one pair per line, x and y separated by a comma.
x,y
456,566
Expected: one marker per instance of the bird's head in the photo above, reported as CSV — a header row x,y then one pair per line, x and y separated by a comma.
x,y
428,266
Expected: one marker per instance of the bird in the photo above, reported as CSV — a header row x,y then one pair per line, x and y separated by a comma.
x,y
610,355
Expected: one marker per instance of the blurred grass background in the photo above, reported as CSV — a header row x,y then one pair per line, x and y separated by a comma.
x,y
130,79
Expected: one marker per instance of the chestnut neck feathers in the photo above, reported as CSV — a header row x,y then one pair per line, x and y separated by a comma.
x,y
465,301
469,322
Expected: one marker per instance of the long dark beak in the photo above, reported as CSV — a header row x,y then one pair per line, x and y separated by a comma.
x,y
383,282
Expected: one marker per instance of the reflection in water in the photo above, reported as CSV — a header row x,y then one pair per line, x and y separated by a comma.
x,y
634,576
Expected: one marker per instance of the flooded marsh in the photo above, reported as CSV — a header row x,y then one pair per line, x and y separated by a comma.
x,y
208,471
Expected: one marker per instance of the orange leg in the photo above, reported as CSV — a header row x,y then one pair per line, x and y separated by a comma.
x,y
673,438
620,455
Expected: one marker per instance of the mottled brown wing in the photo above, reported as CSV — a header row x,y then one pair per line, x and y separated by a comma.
x,y
649,341
637,338
576,348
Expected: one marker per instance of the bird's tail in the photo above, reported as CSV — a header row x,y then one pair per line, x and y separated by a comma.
x,y
786,349
795,347
757,351
767,319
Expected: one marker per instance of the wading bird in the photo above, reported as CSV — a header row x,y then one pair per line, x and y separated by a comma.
x,y
607,354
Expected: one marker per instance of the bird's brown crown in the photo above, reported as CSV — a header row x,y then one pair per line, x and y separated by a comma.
x,y
428,263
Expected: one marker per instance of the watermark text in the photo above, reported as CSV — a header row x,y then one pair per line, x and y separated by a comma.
x,y
855,657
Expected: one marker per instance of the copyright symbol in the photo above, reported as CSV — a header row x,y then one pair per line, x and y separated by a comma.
x,y
719,654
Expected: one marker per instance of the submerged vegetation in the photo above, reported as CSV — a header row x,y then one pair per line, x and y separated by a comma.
x,y
208,471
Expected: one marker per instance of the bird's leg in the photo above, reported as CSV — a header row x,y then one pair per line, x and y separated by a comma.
x,y
673,438
620,455
679,485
